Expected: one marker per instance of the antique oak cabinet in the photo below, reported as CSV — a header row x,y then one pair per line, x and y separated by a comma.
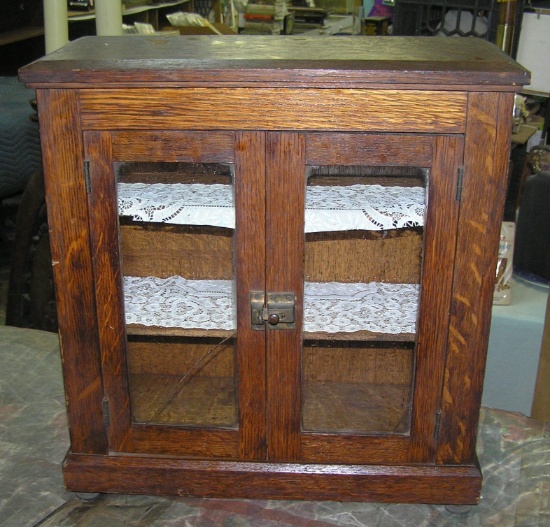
x,y
274,260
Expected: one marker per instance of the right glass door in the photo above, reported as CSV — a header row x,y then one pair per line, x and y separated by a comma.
x,y
364,229
380,231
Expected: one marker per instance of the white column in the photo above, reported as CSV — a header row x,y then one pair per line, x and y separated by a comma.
x,y
108,17
56,27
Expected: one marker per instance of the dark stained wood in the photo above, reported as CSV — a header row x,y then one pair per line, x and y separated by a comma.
x,y
392,256
104,238
369,449
484,190
336,361
361,336
413,484
179,146
174,400
175,355
285,172
63,165
269,108
250,255
238,61
196,253
259,412
183,442
398,150
437,279
139,329
355,407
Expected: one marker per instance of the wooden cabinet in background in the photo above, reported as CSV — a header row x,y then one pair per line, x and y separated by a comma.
x,y
274,261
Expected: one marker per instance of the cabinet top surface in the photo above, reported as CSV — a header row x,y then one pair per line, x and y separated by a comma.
x,y
468,63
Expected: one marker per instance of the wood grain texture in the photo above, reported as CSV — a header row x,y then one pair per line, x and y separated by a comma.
x,y
63,166
269,61
104,241
146,104
355,408
389,256
176,400
370,150
273,109
357,362
196,253
172,356
436,285
250,256
157,476
181,442
484,190
359,448
286,181
175,147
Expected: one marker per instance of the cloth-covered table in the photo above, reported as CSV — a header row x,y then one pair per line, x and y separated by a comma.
x,y
514,452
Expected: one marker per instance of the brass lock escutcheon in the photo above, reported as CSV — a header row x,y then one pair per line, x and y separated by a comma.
x,y
278,310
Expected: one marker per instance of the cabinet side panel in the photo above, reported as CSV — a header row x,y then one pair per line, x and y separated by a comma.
x,y
484,189
69,237
250,275
285,163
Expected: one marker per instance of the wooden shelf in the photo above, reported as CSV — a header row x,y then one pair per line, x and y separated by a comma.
x,y
138,329
203,401
211,401
26,33
361,336
333,407
76,16
18,35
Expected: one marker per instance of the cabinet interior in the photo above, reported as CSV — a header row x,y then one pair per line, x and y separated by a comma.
x,y
357,381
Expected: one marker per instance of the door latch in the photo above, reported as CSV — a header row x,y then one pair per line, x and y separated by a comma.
x,y
278,312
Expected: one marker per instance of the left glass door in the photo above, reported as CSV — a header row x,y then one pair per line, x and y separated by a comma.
x,y
176,225
167,291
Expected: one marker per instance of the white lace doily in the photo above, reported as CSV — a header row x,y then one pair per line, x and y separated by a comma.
x,y
365,207
328,307
176,302
328,208
191,204
335,307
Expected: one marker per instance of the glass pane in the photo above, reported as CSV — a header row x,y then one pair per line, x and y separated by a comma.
x,y
364,238
177,222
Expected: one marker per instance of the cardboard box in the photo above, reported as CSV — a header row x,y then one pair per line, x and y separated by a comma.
x,y
377,25
223,29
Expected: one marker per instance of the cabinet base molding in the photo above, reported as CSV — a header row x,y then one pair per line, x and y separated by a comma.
x,y
449,485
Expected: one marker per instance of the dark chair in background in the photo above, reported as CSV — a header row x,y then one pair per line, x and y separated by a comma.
x,y
532,244
464,18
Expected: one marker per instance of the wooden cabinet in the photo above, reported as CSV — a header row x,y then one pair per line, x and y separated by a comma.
x,y
274,261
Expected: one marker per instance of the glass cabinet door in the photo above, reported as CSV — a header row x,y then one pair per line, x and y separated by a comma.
x,y
176,224
376,296
274,295
162,206
363,260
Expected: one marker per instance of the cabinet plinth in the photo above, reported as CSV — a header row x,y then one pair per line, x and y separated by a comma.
x,y
274,275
